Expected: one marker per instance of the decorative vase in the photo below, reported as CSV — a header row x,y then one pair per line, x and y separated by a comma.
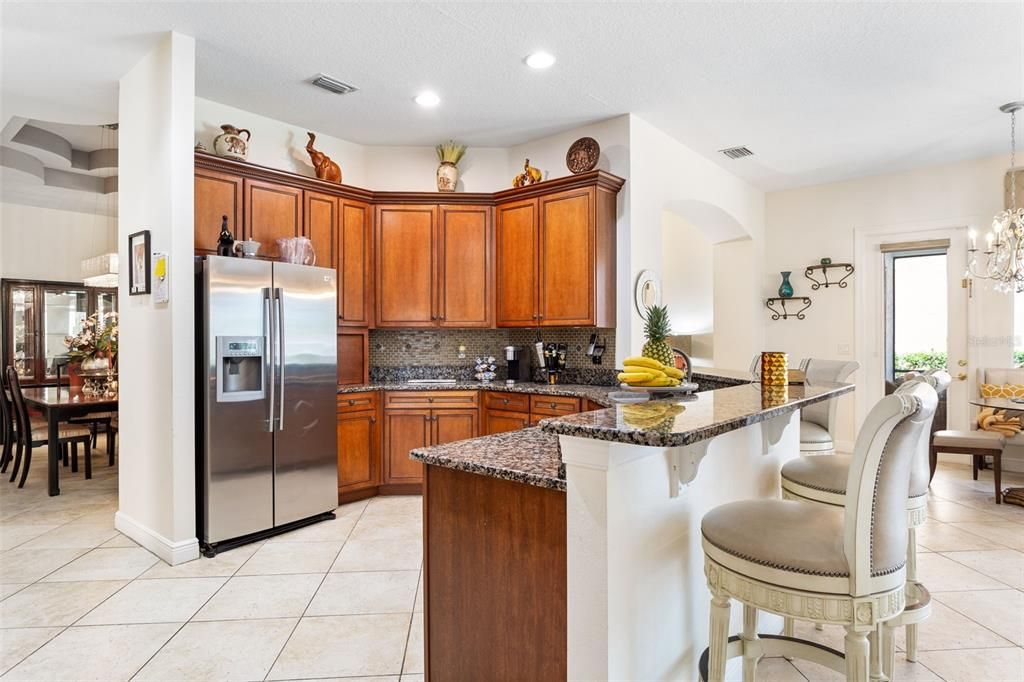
x,y
786,289
447,176
774,369
230,142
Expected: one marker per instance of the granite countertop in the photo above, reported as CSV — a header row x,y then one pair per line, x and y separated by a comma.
x,y
528,456
672,423
599,394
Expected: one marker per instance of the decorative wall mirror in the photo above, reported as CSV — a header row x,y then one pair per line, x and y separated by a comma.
x,y
647,292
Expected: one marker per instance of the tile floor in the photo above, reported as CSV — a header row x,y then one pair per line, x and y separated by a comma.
x,y
341,600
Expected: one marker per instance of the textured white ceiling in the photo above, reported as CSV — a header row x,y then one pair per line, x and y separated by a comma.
x,y
819,92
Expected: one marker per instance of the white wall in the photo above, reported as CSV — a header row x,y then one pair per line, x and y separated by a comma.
x,y
665,174
806,224
44,243
156,485
412,169
688,284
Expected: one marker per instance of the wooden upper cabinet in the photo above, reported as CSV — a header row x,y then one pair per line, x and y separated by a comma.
x,y
567,241
464,254
320,224
353,356
405,266
354,264
516,264
216,195
272,211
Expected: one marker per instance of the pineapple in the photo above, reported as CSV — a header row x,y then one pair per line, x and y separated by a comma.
x,y
656,328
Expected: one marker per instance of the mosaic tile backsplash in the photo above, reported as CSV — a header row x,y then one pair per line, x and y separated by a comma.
x,y
432,353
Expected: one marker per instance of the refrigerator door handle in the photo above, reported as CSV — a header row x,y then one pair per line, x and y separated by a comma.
x,y
279,355
268,355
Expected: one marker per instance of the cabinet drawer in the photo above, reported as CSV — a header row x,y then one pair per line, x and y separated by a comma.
x,y
351,402
553,405
513,402
430,399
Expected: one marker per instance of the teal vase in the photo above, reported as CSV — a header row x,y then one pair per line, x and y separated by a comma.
x,y
786,289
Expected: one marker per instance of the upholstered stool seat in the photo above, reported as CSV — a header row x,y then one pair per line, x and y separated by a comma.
x,y
789,537
814,437
844,565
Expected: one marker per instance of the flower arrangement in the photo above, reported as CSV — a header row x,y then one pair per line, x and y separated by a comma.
x,y
450,152
97,337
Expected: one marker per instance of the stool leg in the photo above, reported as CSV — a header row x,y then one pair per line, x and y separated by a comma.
x,y
749,643
888,645
718,646
858,655
912,592
997,474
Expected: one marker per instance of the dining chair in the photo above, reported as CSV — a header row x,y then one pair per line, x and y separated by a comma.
x,y
845,566
33,436
8,425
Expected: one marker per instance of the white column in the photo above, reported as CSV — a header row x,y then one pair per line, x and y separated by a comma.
x,y
156,486
638,602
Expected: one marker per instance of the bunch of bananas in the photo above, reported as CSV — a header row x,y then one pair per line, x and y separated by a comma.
x,y
641,371
656,415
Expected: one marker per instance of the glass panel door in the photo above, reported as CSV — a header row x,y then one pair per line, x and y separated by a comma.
x,y
64,310
23,332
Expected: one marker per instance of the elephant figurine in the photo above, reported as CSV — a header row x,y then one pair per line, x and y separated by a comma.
x,y
325,168
529,176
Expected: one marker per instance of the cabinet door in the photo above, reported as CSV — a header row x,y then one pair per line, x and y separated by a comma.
x,y
216,195
355,284
405,430
516,264
567,251
272,211
453,425
500,422
320,224
464,266
405,266
358,450
353,357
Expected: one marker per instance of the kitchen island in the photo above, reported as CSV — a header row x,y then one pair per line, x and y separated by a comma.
x,y
573,550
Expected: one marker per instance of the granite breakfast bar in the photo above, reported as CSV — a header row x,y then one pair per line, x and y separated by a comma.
x,y
573,550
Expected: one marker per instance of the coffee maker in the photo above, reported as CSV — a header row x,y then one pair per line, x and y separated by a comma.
x,y
517,361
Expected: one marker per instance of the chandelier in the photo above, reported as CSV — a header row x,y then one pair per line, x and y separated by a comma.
x,y
1004,249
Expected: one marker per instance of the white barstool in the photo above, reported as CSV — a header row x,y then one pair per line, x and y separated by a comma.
x,y
840,566
823,480
818,421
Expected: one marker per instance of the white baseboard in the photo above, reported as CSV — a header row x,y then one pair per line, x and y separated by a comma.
x,y
172,553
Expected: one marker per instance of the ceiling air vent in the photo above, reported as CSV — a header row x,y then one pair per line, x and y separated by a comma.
x,y
333,85
736,152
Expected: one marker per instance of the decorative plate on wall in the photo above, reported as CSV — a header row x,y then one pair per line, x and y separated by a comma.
x,y
647,292
583,155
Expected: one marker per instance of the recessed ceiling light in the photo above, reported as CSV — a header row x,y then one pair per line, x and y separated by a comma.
x,y
540,60
428,99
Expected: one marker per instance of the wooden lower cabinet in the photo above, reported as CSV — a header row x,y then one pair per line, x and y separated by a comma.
x,y
454,425
359,441
496,421
405,430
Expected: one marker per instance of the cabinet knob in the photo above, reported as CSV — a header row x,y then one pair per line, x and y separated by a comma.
x,y
373,419
541,316
430,400
554,406
351,402
504,401
535,316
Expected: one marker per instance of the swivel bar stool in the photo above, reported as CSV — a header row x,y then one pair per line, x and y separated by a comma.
x,y
844,566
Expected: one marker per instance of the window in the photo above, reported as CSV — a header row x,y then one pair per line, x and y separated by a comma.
x,y
916,311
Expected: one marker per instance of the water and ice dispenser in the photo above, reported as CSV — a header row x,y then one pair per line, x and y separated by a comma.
x,y
240,368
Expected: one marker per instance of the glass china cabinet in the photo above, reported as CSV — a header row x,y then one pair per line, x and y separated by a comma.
x,y
37,316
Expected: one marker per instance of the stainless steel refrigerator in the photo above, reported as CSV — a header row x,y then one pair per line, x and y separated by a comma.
x,y
266,398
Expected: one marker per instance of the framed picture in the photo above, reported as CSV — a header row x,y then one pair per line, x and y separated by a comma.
x,y
138,270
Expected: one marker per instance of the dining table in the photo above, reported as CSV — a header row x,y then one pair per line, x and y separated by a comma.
x,y
59,404
1011,404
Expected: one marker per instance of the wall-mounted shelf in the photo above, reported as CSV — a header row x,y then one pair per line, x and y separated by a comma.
x,y
785,314
841,283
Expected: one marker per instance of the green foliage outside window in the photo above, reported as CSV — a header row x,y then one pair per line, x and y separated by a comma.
x,y
925,360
